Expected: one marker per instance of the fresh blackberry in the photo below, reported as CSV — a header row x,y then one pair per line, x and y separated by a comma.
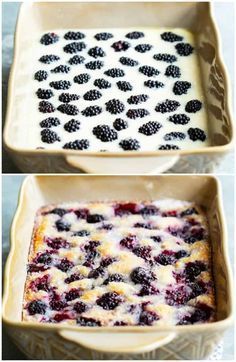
x,y
148,71
36,307
102,83
91,111
48,136
137,99
92,95
120,124
74,35
50,122
96,52
95,64
49,38
143,48
67,97
181,87
179,118
74,47
128,61
174,136
44,93
171,37
196,134
82,144
153,84
69,109
168,58
109,301
76,59
48,59
114,106
105,133
137,113
120,45
124,86
115,72
135,35
82,78
46,107
72,126
193,106
141,276
103,36
150,128
61,69
173,71
168,147
61,84
184,49
41,75
129,144
167,106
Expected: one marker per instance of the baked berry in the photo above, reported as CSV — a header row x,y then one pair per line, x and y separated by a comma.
x,y
184,49
174,136
196,134
61,69
88,322
65,265
142,276
143,48
181,87
57,304
72,294
48,136
44,93
173,71
168,147
106,227
156,239
57,243
171,37
67,97
120,45
82,144
128,61
69,109
198,288
202,313
137,113
124,86
181,254
74,47
167,257
62,225
143,252
96,273
58,211
103,36
115,72
129,144
153,84
105,133
94,218
91,111
167,106
120,324
137,99
193,106
40,284
72,126
119,124
147,318
32,268
102,83
92,95
80,307
126,209
114,278
96,52
81,233
129,242
109,301
188,212
74,35
148,71
61,84
48,59
82,78
44,258
41,75
114,106
73,277
94,64
150,128
143,225
76,59
149,210
36,307
49,38
179,118
148,290
107,261
193,269
135,35
46,107
81,213
168,58
178,295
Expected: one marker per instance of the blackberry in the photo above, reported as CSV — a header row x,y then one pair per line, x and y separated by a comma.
x,y
44,93
120,124
81,233
128,61
48,136
74,35
50,122
76,59
72,126
150,128
179,118
168,58
148,290
143,48
141,276
137,99
130,144
188,212
167,106
82,78
168,147
82,144
74,47
174,136
95,64
115,72
105,133
147,318
120,45
137,113
196,134
173,71
46,107
58,211
92,95
181,87
48,59
72,294
62,225
109,301
114,106
96,52
65,265
61,84
91,111
193,106
67,97
36,307
49,38
69,109
184,49
135,35
41,75
171,37
148,71
103,36
149,210
80,307
102,83
88,322
153,84
114,278
143,252
61,69
124,86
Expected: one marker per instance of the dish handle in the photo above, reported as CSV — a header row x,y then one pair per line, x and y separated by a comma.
x,y
118,342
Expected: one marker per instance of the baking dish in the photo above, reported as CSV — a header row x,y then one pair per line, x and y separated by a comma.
x,y
41,341
196,17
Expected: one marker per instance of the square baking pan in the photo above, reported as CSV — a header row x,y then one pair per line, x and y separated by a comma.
x,y
194,16
58,341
